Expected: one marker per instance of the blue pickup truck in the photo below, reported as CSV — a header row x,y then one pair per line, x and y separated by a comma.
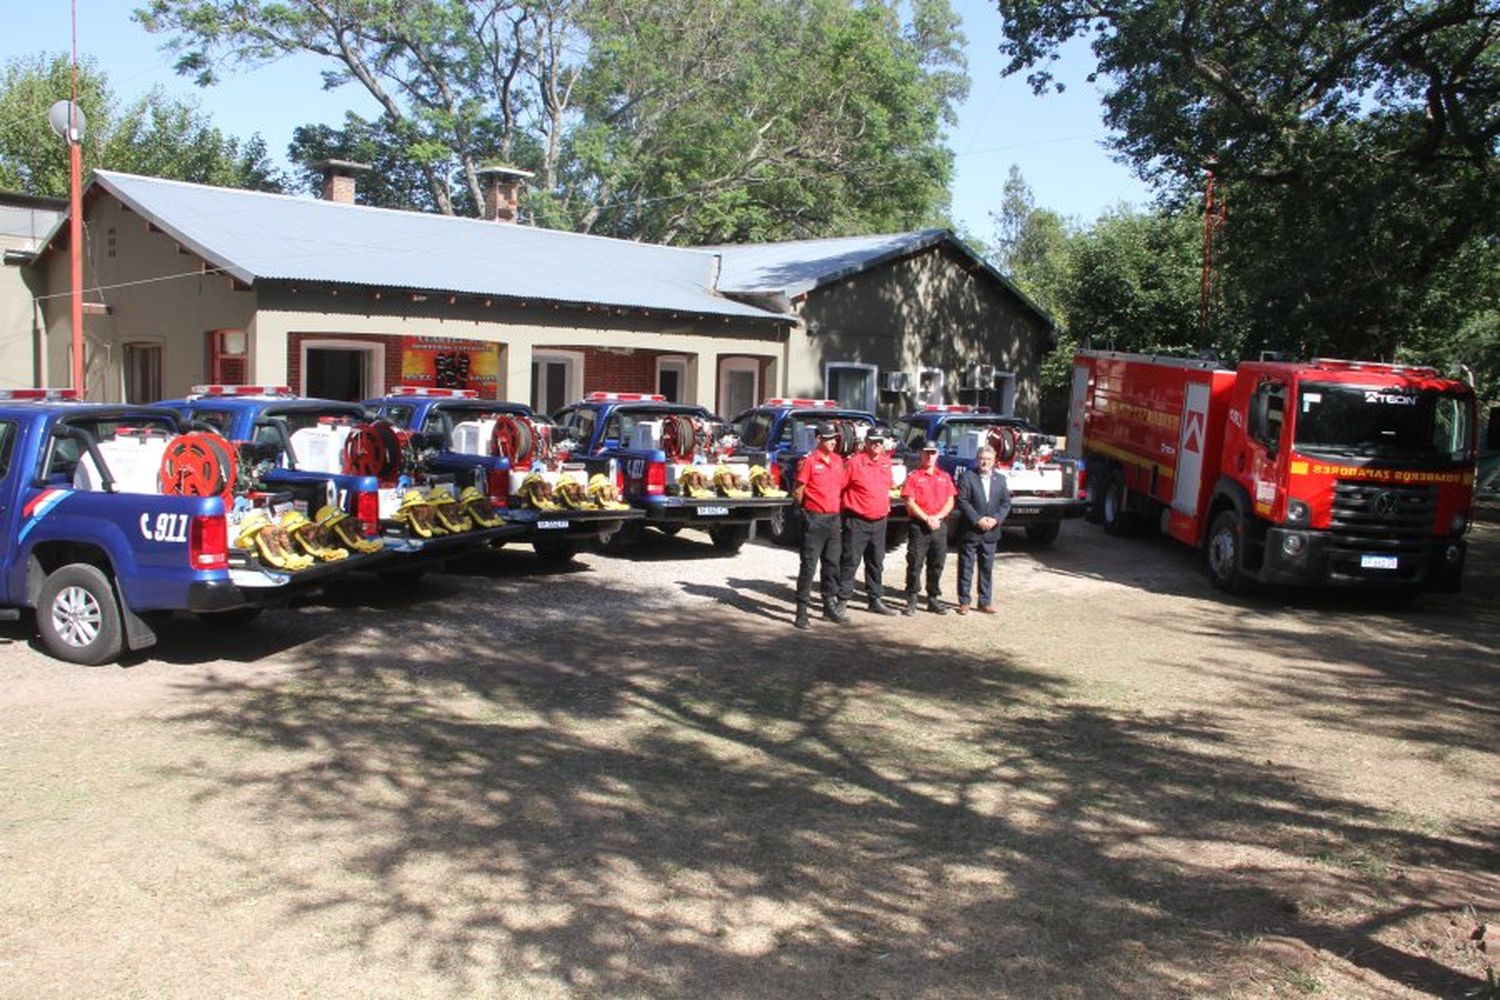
x,y
680,465
1045,487
786,429
501,447
94,545
331,445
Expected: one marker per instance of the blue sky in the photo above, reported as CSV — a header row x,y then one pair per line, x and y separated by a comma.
x,y
1056,140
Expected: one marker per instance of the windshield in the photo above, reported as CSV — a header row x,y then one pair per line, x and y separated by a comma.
x,y
1385,421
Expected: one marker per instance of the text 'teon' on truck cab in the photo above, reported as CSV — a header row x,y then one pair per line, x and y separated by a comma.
x,y
681,465
786,429
1045,487
1325,472
558,496
115,517
369,468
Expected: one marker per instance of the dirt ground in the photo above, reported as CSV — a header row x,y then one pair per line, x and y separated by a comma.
x,y
634,778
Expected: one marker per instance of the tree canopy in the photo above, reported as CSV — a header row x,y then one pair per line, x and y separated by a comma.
x,y
668,120
1355,142
154,135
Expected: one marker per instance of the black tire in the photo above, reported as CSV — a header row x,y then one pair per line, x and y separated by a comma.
x,y
785,526
670,530
729,538
556,550
624,540
233,618
78,617
1043,534
1224,553
1112,513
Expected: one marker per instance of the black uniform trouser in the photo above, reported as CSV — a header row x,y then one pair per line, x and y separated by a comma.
x,y
925,546
821,545
863,539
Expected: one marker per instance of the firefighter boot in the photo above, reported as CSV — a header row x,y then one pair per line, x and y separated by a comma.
x,y
801,620
833,610
934,606
911,604
879,607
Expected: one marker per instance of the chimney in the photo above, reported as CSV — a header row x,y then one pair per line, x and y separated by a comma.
x,y
502,190
338,179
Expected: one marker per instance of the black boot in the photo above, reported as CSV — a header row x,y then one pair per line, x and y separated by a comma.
x,y
801,621
833,610
934,606
911,604
879,607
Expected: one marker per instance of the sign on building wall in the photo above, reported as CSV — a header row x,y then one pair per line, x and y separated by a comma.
x,y
451,364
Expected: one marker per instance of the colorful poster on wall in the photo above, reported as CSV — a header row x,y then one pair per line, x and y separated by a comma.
x,y
439,363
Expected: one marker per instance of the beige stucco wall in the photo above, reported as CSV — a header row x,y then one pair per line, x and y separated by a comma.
x,y
155,294
21,354
924,311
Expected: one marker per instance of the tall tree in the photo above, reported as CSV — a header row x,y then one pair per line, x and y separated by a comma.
x,y
672,120
1356,142
154,135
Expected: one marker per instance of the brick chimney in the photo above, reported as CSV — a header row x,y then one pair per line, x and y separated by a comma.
x,y
338,179
502,190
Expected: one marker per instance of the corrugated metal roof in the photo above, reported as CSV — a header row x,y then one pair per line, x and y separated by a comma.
x,y
797,267
254,236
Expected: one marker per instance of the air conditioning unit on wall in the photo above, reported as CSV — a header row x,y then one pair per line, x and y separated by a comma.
x,y
979,377
895,382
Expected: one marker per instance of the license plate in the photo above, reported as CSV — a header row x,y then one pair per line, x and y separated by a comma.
x,y
712,511
551,525
1368,561
1026,510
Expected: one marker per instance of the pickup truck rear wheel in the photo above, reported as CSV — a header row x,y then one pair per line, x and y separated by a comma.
x,y
670,530
233,618
1116,519
785,526
1222,553
729,538
559,550
1043,534
77,616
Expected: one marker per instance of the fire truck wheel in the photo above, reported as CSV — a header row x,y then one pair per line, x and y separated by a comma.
x,y
1116,519
233,618
1222,553
1043,534
77,617
729,538
557,551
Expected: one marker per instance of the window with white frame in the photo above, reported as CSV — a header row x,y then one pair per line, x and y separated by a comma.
x,y
556,379
852,384
739,384
342,369
142,372
671,378
930,384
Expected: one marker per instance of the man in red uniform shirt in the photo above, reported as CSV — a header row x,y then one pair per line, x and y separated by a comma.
x,y
867,503
929,494
819,491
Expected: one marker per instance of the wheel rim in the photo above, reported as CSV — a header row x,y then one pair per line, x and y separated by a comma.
x,y
1221,553
76,615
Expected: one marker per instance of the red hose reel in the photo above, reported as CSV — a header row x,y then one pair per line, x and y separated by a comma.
x,y
199,464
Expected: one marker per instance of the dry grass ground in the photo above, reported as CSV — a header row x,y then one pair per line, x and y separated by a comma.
x,y
635,779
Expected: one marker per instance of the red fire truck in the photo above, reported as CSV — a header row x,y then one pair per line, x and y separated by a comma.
x,y
1346,473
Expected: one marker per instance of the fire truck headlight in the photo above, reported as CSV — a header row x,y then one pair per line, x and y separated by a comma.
x,y
1293,544
1460,524
1298,512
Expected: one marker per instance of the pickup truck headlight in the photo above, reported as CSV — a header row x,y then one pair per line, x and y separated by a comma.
x,y
1298,512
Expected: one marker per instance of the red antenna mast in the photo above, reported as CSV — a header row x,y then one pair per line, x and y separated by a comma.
x,y
1213,223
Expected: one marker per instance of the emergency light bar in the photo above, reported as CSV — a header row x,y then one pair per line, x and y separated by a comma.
x,y
950,408
38,394
625,397
240,390
816,404
422,390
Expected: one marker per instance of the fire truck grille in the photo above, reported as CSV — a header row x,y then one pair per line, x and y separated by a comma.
x,y
1382,516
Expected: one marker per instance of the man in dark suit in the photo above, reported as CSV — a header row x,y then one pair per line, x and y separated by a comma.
x,y
984,499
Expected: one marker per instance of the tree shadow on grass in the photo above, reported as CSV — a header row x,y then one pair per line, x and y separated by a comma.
x,y
626,807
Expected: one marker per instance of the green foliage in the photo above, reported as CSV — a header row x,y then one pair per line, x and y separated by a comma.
x,y
671,121
155,135
1355,143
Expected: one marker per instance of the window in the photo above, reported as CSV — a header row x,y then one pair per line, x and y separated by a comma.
x,y
219,420
739,384
142,373
853,385
754,428
7,438
556,379
578,422
911,434
930,382
339,369
671,378
1005,394
1268,408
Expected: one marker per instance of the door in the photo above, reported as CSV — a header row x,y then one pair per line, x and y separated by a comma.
x,y
337,373
739,384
